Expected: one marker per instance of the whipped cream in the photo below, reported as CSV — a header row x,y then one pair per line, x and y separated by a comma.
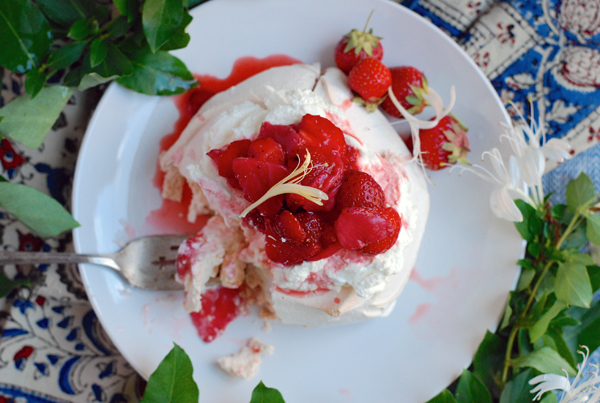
x,y
311,293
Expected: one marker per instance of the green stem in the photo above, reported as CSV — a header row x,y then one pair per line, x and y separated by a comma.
x,y
576,220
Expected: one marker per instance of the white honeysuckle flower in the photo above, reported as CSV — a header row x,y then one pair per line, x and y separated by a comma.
x,y
577,391
548,382
509,181
503,205
523,178
556,150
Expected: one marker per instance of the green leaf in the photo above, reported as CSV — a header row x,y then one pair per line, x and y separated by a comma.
x,y
7,285
573,285
489,360
25,33
128,8
564,319
180,38
172,382
592,229
547,284
66,12
506,316
532,224
523,343
34,82
561,213
549,398
115,65
158,74
119,27
538,309
525,278
28,120
576,239
66,55
444,397
98,52
545,360
586,333
540,327
594,273
38,211
534,249
576,256
263,394
517,390
91,80
80,29
579,192
161,19
526,263
471,389
561,346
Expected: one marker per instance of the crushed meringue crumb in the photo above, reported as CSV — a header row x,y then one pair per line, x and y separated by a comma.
x,y
245,363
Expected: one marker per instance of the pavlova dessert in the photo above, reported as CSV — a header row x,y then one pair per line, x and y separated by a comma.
x,y
316,213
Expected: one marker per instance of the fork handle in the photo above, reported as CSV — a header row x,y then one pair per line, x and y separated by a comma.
x,y
54,257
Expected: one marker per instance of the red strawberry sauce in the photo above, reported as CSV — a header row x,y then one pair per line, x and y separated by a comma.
x,y
219,305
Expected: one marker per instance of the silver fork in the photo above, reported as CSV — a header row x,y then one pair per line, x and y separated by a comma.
x,y
147,262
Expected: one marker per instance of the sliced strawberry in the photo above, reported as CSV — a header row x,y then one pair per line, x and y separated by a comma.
x,y
256,220
370,79
355,46
351,158
256,178
330,243
357,227
444,145
289,253
224,157
286,226
375,248
317,130
408,85
359,189
266,149
326,174
289,139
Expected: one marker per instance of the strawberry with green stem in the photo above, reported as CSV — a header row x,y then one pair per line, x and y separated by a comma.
x,y
370,79
408,85
355,46
445,144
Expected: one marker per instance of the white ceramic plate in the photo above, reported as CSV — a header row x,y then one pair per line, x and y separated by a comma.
x,y
466,264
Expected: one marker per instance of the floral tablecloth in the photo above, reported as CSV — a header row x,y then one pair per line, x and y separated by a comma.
x,y
52,347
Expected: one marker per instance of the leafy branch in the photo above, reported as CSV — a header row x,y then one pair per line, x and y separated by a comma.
x,y
551,313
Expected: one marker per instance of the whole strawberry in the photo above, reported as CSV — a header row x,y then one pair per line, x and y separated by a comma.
x,y
370,79
408,85
355,46
444,145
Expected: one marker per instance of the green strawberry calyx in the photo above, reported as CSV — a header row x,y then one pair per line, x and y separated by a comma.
x,y
369,106
458,144
417,100
361,40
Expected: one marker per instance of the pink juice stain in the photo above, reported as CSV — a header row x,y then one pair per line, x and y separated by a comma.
x,y
221,305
